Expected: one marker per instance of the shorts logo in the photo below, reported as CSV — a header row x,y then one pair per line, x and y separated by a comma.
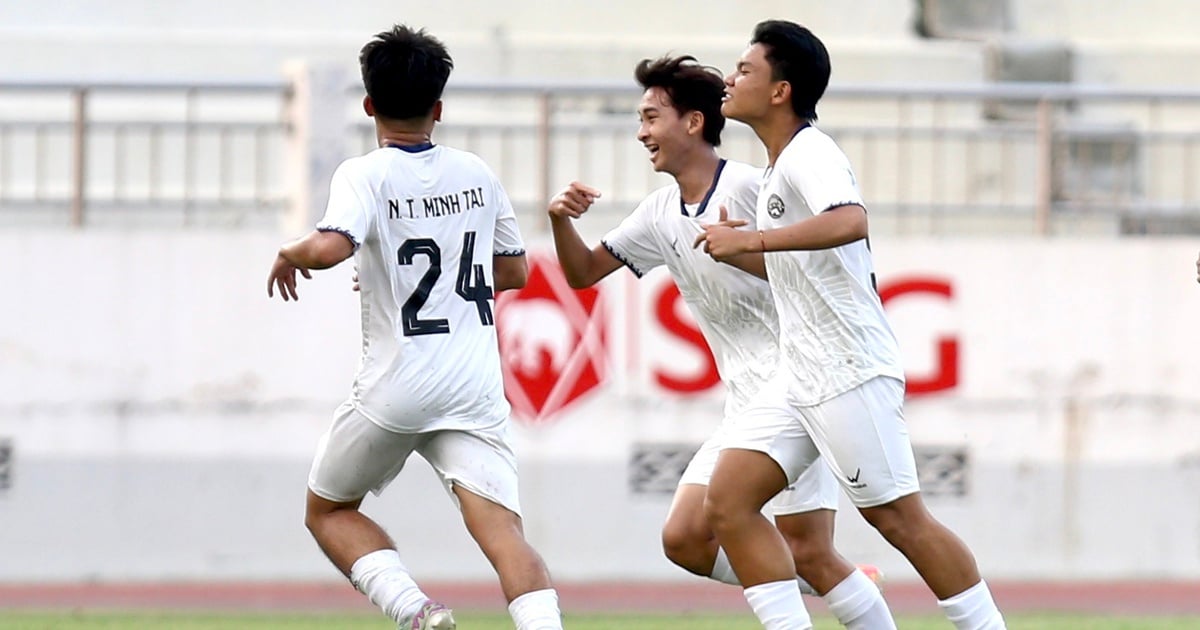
x,y
854,480
775,206
552,342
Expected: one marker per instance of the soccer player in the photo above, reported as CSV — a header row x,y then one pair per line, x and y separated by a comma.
x,y
433,236
681,125
842,376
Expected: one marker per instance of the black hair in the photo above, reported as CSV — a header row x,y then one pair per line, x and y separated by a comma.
x,y
692,88
798,57
404,71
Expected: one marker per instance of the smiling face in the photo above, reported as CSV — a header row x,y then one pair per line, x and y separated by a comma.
x,y
666,134
749,89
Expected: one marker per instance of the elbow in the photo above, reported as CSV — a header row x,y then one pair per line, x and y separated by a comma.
x,y
326,257
577,282
329,250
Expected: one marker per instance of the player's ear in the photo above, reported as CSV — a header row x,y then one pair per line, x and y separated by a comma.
x,y
695,122
368,106
437,112
782,93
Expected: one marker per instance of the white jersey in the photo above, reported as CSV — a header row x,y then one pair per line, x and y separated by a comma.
x,y
733,308
834,335
425,223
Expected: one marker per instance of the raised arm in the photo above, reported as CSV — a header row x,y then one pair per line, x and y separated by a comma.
x,y
583,266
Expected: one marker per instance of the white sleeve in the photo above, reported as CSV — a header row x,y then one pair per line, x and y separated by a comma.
x,y
508,241
824,180
348,212
633,243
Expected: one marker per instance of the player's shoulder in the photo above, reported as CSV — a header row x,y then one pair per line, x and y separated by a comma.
x,y
811,146
738,174
660,199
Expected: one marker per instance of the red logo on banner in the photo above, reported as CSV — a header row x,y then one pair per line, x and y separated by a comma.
x,y
552,342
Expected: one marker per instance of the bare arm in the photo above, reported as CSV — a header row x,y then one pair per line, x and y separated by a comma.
x,y
317,250
752,263
509,272
833,228
582,266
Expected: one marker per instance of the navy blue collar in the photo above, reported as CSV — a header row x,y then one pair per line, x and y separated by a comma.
x,y
707,196
411,148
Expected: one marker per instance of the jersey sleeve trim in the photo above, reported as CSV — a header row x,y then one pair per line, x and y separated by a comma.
x,y
342,231
509,252
624,261
839,204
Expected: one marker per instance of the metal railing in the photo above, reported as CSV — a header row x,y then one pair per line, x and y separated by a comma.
x,y
89,151
932,159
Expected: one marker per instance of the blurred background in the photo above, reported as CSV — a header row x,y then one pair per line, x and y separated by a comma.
x,y
1030,168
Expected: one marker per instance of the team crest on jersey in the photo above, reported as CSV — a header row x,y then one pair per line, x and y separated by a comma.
x,y
775,206
552,342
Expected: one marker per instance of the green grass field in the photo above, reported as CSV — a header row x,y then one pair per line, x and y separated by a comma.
x,y
10,620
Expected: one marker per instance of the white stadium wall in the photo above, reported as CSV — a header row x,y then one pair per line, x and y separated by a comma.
x,y
157,412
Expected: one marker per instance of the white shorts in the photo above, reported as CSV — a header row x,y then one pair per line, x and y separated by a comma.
x,y
863,438
357,456
815,489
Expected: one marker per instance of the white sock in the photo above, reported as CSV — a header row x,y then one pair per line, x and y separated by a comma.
x,y
973,609
385,581
723,573
858,604
536,610
778,606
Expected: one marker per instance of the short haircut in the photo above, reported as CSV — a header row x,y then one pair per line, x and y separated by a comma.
x,y
798,57
404,71
691,87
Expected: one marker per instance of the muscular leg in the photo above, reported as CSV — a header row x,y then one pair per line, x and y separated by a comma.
x,y
364,553
501,537
809,536
532,602
342,532
940,557
687,539
742,483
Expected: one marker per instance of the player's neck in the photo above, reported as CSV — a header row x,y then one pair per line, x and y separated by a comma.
x,y
402,135
776,132
696,177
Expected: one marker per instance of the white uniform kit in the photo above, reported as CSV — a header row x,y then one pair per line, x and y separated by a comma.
x,y
733,308
841,365
426,222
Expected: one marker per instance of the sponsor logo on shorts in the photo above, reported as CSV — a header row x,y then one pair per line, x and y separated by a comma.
x,y
853,479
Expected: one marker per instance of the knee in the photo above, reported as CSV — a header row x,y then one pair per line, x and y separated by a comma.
x,y
723,511
809,551
897,523
318,511
810,546
685,546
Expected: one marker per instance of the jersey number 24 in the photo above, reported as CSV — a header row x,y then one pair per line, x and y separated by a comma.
x,y
471,285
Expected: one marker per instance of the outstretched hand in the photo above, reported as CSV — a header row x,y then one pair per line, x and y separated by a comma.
x,y
283,276
722,240
573,201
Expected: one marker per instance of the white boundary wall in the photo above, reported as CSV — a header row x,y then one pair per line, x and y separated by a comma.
x,y
160,412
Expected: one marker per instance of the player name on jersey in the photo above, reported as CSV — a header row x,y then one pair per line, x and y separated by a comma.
x,y
436,205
